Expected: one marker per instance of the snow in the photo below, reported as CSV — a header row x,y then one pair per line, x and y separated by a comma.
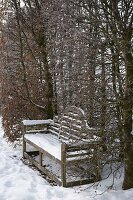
x,y
48,142
20,182
37,122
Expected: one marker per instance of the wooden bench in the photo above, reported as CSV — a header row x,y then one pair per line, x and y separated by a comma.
x,y
65,149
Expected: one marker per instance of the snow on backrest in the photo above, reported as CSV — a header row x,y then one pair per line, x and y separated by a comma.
x,y
73,125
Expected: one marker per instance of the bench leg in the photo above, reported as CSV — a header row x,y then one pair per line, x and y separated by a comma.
x,y
63,164
40,158
98,171
24,147
24,142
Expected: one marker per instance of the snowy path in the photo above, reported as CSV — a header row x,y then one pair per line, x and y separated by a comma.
x,y
19,182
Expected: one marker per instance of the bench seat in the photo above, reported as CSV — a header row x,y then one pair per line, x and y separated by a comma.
x,y
48,142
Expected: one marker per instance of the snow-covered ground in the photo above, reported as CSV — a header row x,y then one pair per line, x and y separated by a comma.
x,y
19,182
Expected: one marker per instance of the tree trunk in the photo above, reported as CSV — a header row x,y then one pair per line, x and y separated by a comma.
x,y
49,86
128,107
128,146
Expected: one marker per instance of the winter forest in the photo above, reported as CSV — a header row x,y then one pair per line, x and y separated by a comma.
x,y
56,53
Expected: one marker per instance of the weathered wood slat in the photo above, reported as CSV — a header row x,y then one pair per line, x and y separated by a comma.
x,y
37,131
80,182
82,146
76,155
69,119
66,136
54,132
77,160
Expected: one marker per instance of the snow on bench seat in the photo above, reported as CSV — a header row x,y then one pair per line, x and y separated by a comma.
x,y
48,142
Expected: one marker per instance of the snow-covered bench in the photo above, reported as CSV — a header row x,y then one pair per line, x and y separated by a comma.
x,y
65,149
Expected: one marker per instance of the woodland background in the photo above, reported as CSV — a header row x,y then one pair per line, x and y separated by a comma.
x,y
55,53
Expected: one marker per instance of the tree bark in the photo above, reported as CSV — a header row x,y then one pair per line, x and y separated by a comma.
x,y
128,109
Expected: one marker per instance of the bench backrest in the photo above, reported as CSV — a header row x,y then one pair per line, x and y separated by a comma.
x,y
73,125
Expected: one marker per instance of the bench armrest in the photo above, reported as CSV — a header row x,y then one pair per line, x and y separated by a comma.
x,y
37,122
